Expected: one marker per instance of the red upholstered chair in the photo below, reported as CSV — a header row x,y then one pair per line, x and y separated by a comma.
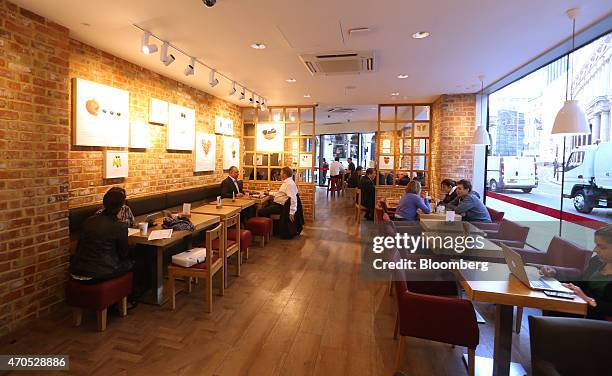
x,y
98,297
496,218
427,317
510,233
565,256
260,226
246,239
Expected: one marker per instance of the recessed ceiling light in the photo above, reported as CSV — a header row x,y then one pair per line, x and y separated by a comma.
x,y
421,34
306,95
394,94
402,76
258,46
291,80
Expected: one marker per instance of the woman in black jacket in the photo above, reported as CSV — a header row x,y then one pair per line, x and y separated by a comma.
x,y
102,251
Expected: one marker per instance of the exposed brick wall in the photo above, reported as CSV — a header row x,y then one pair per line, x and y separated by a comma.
x,y
306,191
156,169
454,119
34,141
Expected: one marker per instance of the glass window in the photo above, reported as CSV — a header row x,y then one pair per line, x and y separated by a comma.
x,y
526,162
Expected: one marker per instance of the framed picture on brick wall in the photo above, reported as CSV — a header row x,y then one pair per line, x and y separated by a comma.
x,y
231,152
224,126
386,162
205,152
139,135
181,128
158,111
270,137
100,114
115,164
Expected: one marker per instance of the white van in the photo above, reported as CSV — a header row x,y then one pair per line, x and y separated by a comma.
x,y
512,173
588,177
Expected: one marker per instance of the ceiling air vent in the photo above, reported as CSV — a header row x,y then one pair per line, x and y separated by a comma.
x,y
340,63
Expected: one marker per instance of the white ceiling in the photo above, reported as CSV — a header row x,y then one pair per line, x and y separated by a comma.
x,y
468,38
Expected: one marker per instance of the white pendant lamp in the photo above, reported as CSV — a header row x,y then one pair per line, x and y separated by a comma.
x,y
481,136
571,119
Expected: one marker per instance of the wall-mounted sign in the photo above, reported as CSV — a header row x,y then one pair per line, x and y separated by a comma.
x,y
305,160
224,126
100,114
181,128
270,137
386,162
139,135
115,164
231,152
386,146
205,152
158,111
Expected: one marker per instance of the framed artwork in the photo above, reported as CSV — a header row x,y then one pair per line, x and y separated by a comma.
x,y
224,126
100,114
181,128
386,146
270,137
139,135
231,152
259,159
386,162
158,111
305,160
115,164
205,152
421,130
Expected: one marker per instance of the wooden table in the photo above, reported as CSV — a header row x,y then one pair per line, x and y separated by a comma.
x,y
440,226
241,202
489,250
260,201
499,286
200,222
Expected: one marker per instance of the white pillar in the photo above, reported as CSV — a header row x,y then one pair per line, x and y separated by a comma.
x,y
605,126
595,131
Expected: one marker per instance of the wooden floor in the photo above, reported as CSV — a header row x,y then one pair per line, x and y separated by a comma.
x,y
300,307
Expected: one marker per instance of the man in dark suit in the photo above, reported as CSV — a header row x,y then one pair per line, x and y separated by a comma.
x,y
368,192
230,184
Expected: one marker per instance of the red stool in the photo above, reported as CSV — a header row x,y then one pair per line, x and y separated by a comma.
x,y
98,297
260,226
334,185
246,238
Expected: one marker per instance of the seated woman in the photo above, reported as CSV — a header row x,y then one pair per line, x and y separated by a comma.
x,y
102,251
410,202
125,214
404,180
448,188
595,287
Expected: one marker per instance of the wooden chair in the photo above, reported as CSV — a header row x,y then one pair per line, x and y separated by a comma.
x,y
214,263
232,247
359,209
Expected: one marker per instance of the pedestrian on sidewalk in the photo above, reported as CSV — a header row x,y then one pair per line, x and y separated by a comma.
x,y
556,166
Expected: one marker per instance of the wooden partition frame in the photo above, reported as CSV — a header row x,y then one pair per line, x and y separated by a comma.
x,y
300,127
410,140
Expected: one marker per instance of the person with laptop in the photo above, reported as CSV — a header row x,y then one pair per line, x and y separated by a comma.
x,y
468,204
595,286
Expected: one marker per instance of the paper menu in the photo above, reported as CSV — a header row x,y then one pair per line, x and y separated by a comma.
x,y
160,234
450,216
186,209
133,231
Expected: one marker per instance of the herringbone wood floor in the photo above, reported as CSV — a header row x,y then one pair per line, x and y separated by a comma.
x,y
300,307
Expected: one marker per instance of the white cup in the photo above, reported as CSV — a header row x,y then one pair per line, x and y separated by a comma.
x,y
143,226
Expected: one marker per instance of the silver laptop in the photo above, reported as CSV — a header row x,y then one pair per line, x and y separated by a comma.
x,y
517,267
